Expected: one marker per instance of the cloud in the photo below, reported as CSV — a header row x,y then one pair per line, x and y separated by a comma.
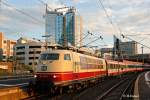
x,y
16,21
98,22
55,4
80,1
131,16
13,22
4,18
124,15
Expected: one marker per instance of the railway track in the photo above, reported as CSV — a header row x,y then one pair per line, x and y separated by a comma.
x,y
120,91
108,89
68,96
92,92
95,90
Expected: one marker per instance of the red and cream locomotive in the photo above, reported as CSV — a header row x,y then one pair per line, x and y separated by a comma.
x,y
68,68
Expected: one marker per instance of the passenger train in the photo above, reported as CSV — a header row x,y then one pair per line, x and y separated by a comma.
x,y
61,68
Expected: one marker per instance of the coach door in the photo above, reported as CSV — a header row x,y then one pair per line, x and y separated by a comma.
x,y
76,66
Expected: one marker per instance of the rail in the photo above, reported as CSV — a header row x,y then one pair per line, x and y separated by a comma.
x,y
116,90
127,93
110,90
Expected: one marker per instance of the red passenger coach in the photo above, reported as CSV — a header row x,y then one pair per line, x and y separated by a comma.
x,y
117,67
113,67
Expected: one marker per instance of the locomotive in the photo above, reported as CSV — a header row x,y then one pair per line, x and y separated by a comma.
x,y
70,68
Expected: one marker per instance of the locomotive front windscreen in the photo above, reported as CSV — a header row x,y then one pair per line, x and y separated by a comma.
x,y
49,56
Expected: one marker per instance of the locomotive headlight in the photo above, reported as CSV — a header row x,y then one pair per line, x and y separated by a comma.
x,y
35,76
54,76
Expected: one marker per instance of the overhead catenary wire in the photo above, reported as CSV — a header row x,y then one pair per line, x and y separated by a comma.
x,y
41,1
144,38
0,3
7,29
136,34
109,19
22,12
92,41
111,22
34,19
88,33
135,41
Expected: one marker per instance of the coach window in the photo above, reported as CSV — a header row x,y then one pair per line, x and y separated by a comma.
x,y
67,57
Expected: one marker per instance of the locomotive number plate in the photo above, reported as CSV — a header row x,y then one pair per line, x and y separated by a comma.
x,y
43,68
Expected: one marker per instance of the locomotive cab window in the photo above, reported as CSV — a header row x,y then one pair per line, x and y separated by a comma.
x,y
67,57
50,56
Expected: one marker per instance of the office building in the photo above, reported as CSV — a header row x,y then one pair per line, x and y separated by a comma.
x,y
6,47
128,48
125,48
27,51
63,27
54,27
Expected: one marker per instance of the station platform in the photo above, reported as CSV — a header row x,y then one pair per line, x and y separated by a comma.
x,y
142,87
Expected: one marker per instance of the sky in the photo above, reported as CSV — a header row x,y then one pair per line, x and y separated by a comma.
x,y
128,17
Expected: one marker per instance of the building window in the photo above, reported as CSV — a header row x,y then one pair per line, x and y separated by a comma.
x,y
4,41
31,52
67,57
34,46
21,47
34,52
31,63
20,58
33,57
38,52
20,53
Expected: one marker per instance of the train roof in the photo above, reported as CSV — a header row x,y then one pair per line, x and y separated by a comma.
x,y
115,62
71,48
124,62
54,51
70,51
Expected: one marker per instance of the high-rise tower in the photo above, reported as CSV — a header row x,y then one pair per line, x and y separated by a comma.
x,y
64,27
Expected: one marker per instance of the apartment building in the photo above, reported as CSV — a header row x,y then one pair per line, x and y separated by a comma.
x,y
27,51
6,47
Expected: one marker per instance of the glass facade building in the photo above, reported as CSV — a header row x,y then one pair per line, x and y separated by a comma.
x,y
59,30
64,28
70,27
